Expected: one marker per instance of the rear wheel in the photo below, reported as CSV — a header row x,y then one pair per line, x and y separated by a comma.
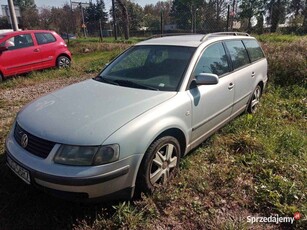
x,y
254,102
63,62
1,77
159,164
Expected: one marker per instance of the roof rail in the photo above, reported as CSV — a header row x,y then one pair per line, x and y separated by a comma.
x,y
168,35
224,33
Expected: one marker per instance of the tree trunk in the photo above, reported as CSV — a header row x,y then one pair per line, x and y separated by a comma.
x,y
276,8
305,18
124,10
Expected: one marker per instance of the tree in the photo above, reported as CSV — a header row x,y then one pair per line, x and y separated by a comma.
x,y
122,5
152,14
296,7
277,11
29,13
45,19
305,18
151,18
95,16
4,24
183,13
251,8
136,15
207,15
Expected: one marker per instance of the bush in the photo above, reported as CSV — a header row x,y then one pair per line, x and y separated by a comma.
x,y
287,61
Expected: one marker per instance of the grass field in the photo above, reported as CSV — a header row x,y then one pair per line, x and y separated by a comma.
x,y
255,166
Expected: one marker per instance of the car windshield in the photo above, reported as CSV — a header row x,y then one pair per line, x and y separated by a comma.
x,y
150,67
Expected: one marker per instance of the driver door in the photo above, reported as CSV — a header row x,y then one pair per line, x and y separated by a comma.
x,y
211,104
21,55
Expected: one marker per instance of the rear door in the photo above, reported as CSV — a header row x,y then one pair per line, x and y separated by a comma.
x,y
242,73
21,56
212,104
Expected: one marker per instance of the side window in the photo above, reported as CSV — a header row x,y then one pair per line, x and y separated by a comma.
x,y
8,43
18,42
213,60
254,51
238,53
44,38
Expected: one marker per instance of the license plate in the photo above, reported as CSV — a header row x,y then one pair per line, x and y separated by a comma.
x,y
18,170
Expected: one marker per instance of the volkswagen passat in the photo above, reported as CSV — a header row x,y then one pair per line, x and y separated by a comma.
x,y
129,126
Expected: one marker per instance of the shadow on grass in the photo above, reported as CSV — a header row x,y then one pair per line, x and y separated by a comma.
x,y
24,207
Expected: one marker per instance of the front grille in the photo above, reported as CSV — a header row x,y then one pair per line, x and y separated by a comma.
x,y
37,146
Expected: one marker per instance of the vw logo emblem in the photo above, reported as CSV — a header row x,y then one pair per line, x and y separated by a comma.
x,y
24,140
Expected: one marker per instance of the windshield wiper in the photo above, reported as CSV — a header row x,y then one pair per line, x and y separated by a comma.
x,y
105,80
134,84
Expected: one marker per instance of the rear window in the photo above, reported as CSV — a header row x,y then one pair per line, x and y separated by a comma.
x,y
254,51
238,53
44,38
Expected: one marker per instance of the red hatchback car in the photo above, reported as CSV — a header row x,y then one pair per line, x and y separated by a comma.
x,y
25,51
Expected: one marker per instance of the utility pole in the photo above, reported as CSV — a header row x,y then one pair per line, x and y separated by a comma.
x,y
161,22
13,15
114,20
233,13
83,21
228,12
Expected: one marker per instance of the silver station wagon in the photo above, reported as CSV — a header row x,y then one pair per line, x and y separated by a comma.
x,y
128,127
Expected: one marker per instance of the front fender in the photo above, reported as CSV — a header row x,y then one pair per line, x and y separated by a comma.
x,y
137,135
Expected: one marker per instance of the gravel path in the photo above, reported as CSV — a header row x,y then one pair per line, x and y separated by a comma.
x,y
13,99
30,92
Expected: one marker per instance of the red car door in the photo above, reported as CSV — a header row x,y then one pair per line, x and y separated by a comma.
x,y
47,45
22,55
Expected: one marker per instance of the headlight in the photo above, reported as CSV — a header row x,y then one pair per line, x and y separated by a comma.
x,y
87,155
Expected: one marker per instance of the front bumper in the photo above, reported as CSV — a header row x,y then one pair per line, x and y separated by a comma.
x,y
88,182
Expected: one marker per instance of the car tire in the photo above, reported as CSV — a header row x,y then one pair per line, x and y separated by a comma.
x,y
160,163
63,62
254,101
1,77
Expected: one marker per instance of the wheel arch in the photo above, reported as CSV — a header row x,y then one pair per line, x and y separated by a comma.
x,y
1,76
261,84
176,133
61,54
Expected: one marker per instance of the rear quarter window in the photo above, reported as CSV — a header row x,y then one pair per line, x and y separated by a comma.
x,y
238,53
44,38
254,51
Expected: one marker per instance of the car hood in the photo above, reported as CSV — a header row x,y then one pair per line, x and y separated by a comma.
x,y
87,113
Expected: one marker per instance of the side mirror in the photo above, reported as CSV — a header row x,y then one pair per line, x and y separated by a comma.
x,y
3,48
206,79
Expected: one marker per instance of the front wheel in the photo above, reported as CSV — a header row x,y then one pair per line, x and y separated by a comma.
x,y
63,62
159,164
253,104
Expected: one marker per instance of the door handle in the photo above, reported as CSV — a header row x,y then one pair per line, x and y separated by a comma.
x,y
36,50
253,74
231,85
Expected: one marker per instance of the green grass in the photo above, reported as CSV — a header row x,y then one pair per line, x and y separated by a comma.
x,y
254,166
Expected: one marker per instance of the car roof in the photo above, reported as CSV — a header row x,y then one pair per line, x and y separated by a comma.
x,y
25,31
194,40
